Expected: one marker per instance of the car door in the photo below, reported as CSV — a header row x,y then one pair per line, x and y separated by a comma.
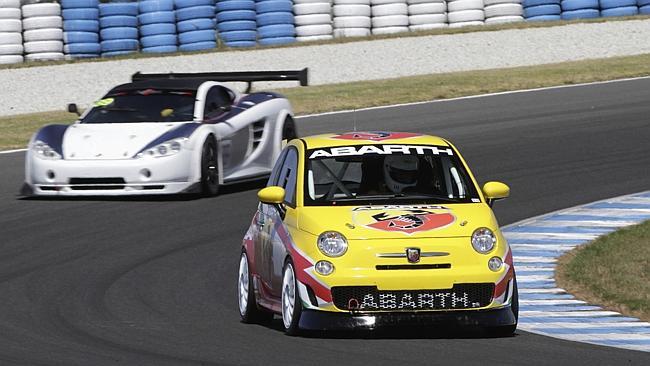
x,y
272,244
264,223
235,143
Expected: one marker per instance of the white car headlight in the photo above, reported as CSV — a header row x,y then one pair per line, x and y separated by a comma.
x,y
167,148
44,151
483,240
332,244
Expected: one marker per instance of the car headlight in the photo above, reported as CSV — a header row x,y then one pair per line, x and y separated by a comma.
x,y
44,151
332,244
483,240
166,148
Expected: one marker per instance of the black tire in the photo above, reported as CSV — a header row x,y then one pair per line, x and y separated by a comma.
x,y
289,131
508,330
209,168
248,308
290,326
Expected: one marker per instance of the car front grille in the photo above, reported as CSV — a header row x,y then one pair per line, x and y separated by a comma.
x,y
369,298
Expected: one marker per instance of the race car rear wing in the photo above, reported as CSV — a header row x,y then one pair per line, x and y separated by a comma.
x,y
238,76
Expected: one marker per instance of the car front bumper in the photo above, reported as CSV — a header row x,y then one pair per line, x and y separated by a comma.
x,y
325,320
153,176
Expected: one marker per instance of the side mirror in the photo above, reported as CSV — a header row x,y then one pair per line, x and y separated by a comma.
x,y
271,195
495,191
72,108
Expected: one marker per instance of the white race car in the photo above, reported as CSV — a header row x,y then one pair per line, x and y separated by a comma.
x,y
165,134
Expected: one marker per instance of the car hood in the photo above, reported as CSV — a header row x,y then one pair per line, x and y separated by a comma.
x,y
107,141
399,221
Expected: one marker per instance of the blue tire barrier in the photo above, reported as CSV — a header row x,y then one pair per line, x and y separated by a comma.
x,y
80,37
181,4
195,24
226,16
238,36
568,5
277,31
197,36
539,10
155,29
80,14
544,18
235,5
237,25
157,17
274,6
118,21
81,26
83,48
580,14
277,41
624,11
195,12
117,53
272,18
160,49
117,45
118,9
643,3
644,9
609,4
528,3
74,4
238,44
150,6
119,33
159,40
198,46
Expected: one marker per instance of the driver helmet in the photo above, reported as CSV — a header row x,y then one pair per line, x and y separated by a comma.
x,y
400,172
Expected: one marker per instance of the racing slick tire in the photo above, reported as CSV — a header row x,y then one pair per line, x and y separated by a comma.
x,y
248,310
508,330
291,304
289,131
209,168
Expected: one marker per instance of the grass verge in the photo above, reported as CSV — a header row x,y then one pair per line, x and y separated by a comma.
x,y
613,271
16,130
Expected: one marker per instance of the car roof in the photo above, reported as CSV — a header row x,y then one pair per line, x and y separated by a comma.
x,y
371,138
184,84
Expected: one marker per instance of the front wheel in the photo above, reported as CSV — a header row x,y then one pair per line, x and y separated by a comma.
x,y
209,168
248,309
508,330
291,305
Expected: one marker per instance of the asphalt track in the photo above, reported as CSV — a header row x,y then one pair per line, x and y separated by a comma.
x,y
152,281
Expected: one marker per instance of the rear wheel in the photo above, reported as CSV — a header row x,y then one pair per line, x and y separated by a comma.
x,y
248,309
291,305
289,131
209,168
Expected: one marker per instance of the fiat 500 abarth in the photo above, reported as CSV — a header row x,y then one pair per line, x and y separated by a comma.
x,y
371,229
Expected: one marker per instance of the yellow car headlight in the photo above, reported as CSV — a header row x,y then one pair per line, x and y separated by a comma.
x,y
483,240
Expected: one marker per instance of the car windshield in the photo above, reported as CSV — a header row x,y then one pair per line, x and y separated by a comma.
x,y
386,174
143,106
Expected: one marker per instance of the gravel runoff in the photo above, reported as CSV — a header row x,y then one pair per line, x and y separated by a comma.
x,y
46,88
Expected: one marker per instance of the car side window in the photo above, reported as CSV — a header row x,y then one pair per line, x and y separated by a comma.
x,y
217,99
273,178
288,175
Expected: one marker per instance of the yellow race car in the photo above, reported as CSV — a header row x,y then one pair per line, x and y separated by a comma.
x,y
371,229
